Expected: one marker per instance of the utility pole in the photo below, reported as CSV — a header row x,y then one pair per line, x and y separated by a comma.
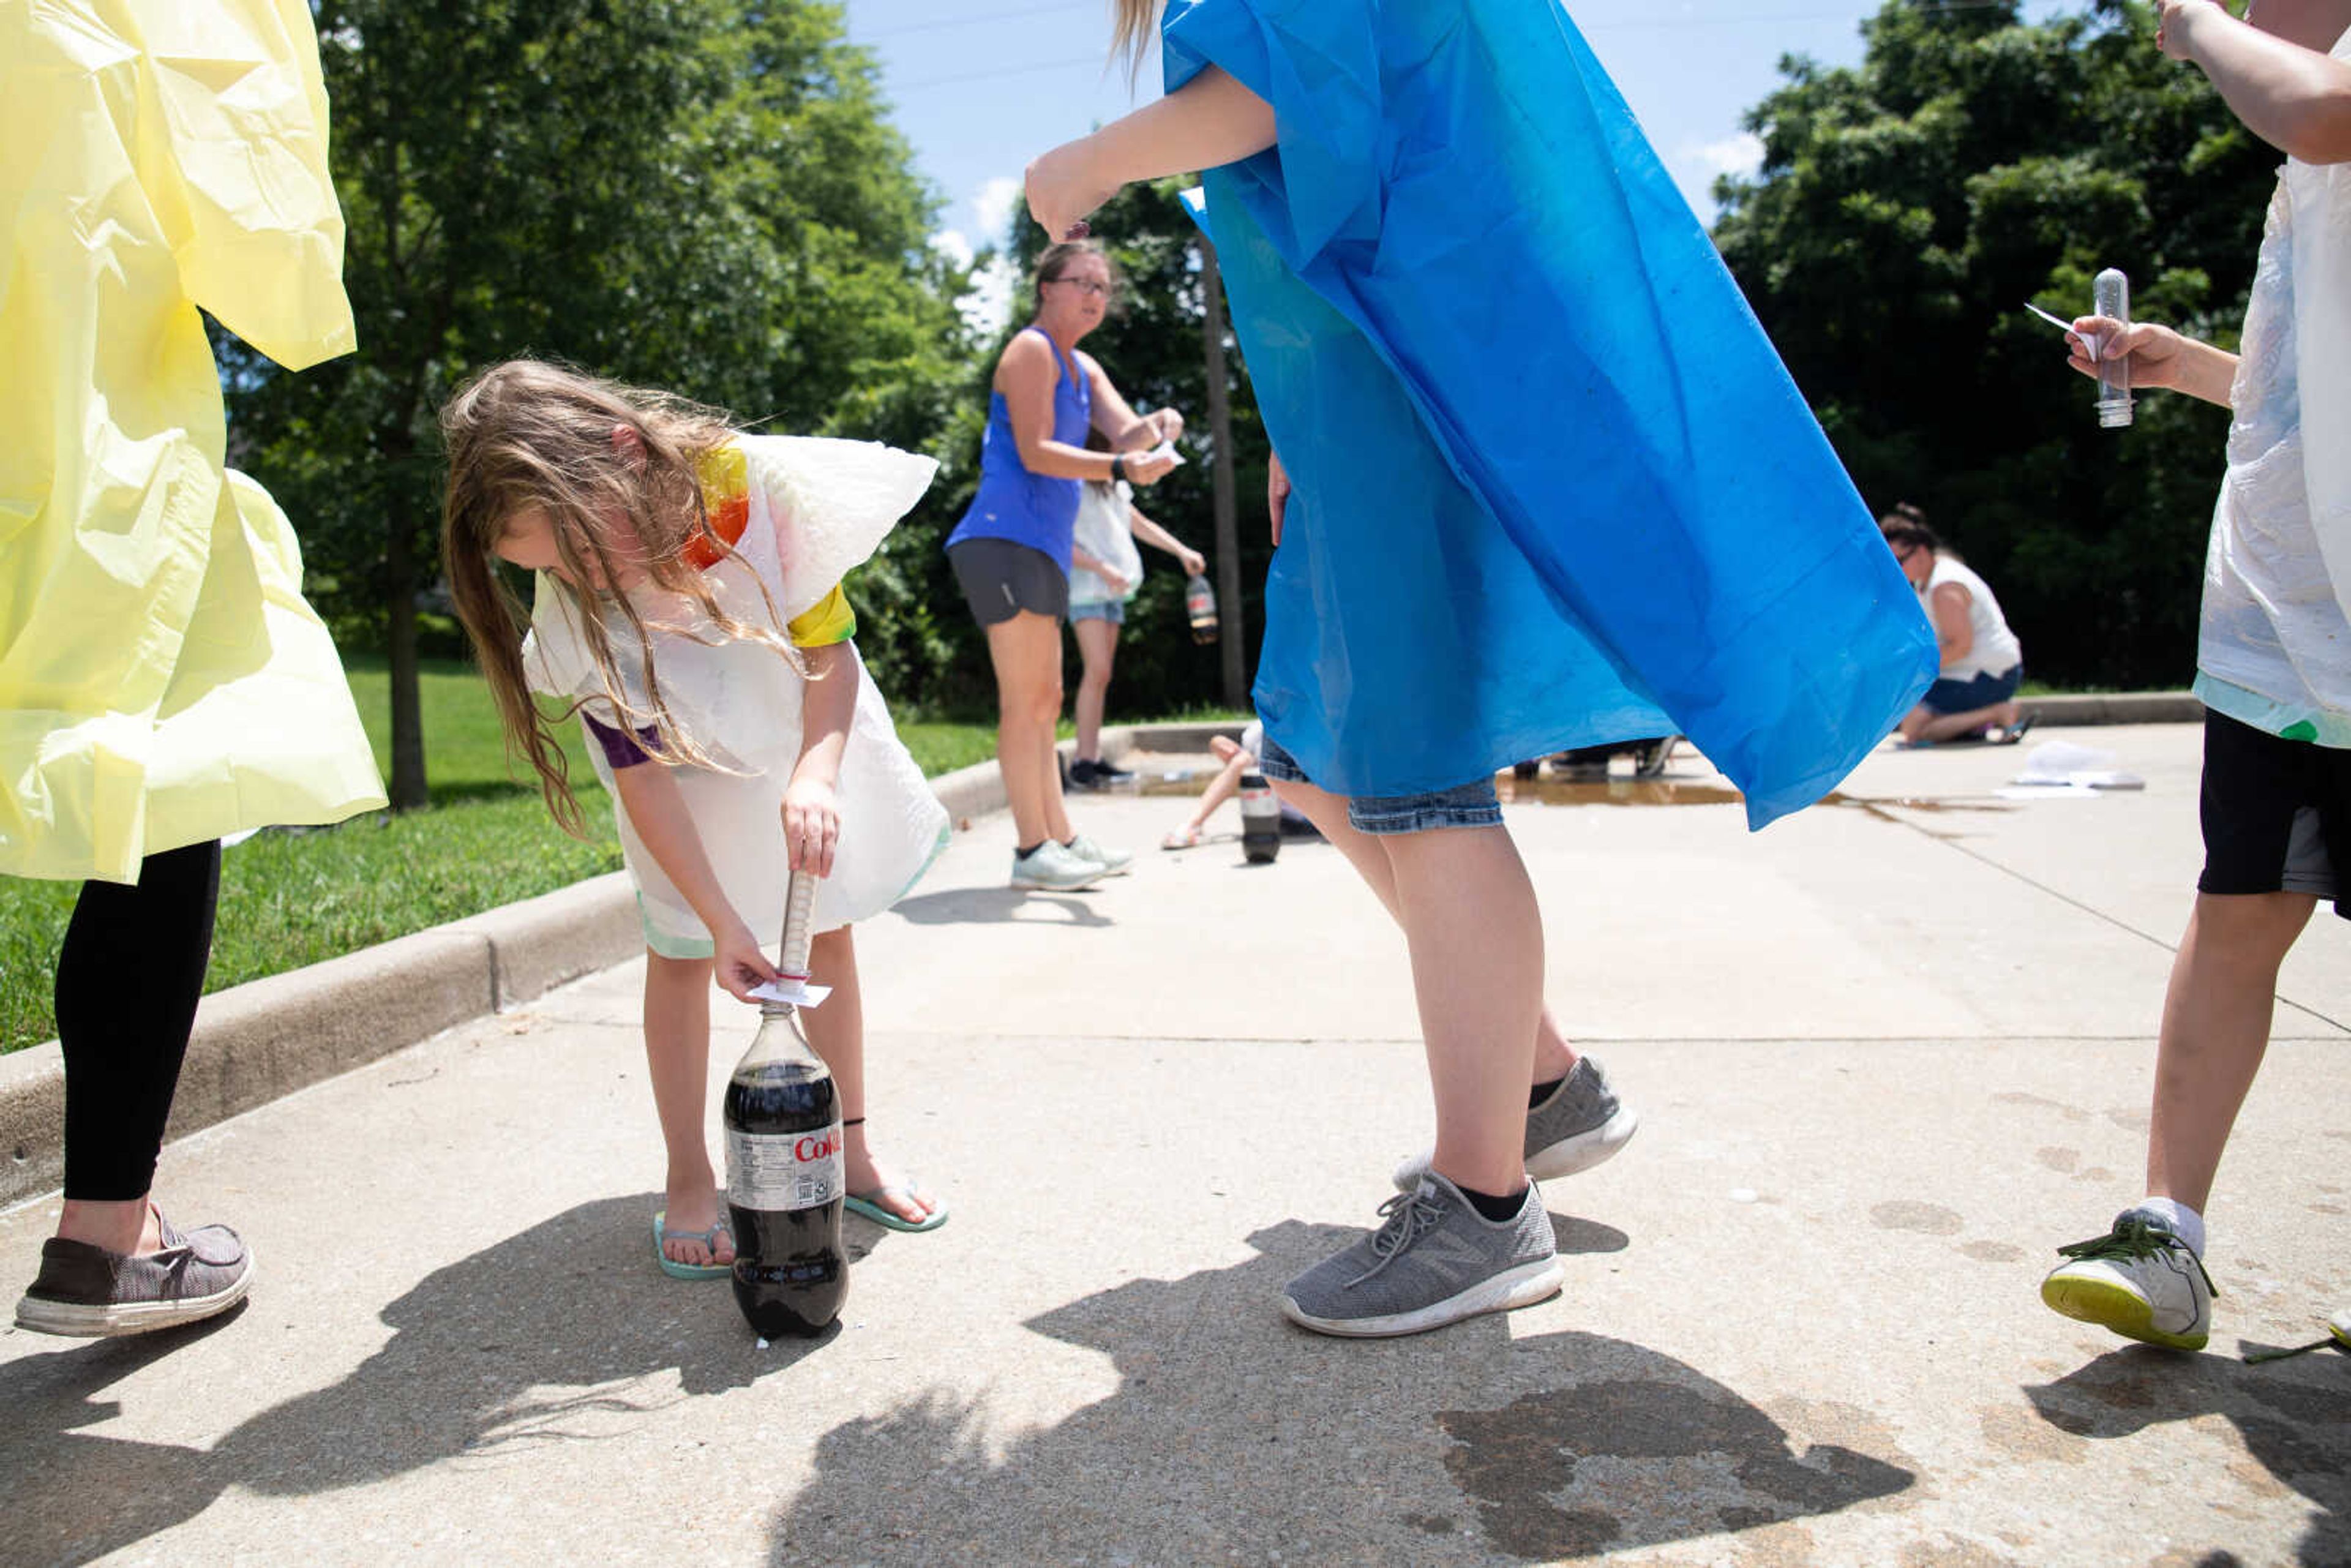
x,y
1220,440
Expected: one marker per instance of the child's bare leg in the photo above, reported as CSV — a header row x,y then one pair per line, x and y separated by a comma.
x,y
678,1057
1470,920
1223,787
2216,1028
1553,1057
836,1031
1097,653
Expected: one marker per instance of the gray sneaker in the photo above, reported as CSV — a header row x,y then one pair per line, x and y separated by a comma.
x,y
89,1292
1113,863
1436,1260
1581,1124
1054,867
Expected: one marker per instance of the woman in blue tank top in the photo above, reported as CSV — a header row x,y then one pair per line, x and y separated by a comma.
x,y
1011,551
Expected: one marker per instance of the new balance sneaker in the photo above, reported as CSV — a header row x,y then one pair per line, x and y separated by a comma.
x,y
1113,863
1083,773
2138,1279
1110,775
88,1293
1053,867
1582,1123
1434,1260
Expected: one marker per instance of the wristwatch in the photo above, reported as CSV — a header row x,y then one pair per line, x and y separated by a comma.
x,y
1117,467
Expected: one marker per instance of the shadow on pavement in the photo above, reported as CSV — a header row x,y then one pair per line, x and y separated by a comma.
x,y
473,1368
2294,1419
1232,1437
988,905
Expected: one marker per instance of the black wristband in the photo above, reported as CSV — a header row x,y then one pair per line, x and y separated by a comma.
x,y
1117,467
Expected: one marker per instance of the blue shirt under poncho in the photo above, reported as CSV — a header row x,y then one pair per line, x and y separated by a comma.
x,y
1552,486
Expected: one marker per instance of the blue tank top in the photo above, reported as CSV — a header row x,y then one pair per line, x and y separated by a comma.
x,y
1013,504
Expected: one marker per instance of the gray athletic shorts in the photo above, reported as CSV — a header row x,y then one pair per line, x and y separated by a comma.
x,y
1000,579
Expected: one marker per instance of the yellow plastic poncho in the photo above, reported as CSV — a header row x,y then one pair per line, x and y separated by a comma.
x,y
162,681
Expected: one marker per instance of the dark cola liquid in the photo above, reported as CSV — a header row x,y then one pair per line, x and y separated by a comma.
x,y
791,1273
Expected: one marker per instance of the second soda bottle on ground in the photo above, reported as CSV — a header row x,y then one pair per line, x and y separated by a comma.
x,y
784,1178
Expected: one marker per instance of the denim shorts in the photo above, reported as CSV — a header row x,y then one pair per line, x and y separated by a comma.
x,y
1976,691
1111,610
1470,805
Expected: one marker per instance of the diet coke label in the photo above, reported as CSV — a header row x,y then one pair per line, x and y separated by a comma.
x,y
783,1170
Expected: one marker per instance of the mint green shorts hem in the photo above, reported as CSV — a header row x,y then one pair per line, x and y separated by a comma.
x,y
668,944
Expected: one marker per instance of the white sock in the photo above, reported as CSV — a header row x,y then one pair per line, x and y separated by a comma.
x,y
2183,1222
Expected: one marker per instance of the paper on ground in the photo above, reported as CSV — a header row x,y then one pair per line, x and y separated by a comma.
x,y
2060,766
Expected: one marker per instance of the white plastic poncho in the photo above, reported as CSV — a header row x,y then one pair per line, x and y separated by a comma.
x,y
817,507
162,681
2274,649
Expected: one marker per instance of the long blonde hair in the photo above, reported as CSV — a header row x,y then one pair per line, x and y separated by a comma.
x,y
1131,23
527,433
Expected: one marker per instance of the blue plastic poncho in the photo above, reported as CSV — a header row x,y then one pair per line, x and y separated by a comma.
x,y
1553,487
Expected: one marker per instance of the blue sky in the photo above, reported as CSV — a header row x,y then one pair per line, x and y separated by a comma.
x,y
982,86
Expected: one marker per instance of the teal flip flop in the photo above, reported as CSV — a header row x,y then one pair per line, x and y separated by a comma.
x,y
710,1238
864,1203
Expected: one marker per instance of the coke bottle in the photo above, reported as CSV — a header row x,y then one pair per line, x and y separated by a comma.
x,y
784,1180
1200,605
1260,820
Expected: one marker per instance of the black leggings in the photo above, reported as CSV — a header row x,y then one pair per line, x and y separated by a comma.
x,y
127,979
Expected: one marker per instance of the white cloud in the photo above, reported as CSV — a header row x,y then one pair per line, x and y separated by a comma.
x,y
993,205
951,244
989,303
1741,155
989,299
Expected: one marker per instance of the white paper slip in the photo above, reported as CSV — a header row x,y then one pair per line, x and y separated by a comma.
x,y
799,993
2061,324
1166,449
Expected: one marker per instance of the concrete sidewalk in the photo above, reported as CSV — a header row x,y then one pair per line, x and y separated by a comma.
x,y
1889,1054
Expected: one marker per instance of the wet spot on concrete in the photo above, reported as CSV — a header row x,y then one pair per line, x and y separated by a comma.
x,y
2131,1121
2096,1172
1992,1251
2326,1208
1430,1523
2018,1097
1520,1465
2058,1159
2018,1431
2290,1423
1926,1219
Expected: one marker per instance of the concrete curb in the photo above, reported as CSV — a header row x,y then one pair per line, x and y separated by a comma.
x,y
2115,707
268,1038
258,1042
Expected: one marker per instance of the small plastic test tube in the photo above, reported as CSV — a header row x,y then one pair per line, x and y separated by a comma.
x,y
2110,297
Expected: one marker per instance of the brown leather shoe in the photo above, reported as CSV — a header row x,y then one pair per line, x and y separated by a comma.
x,y
87,1291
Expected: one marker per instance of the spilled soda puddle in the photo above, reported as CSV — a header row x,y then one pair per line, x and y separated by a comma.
x,y
1678,793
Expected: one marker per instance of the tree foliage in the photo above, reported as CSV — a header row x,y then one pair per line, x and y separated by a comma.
x,y
704,195
1904,211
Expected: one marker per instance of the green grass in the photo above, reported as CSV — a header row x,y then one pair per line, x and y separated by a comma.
x,y
291,897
